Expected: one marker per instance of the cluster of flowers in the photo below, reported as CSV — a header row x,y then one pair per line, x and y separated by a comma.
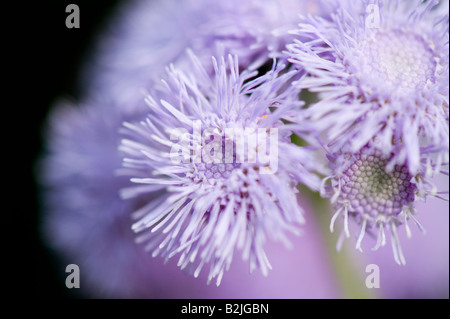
x,y
374,126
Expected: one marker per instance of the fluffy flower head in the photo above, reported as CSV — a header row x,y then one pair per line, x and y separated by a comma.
x,y
209,148
363,190
382,73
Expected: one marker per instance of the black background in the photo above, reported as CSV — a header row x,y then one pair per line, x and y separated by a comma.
x,y
56,54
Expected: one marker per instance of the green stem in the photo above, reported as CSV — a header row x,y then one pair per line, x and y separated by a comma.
x,y
347,273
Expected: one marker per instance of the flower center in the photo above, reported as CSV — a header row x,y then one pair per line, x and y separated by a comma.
x,y
217,159
399,59
216,171
215,154
372,190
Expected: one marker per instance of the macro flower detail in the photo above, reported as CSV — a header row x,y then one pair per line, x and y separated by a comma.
x,y
204,135
364,191
385,84
371,189
209,148
399,59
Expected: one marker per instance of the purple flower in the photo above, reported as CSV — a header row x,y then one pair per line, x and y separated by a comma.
x,y
85,220
222,185
88,224
377,199
381,71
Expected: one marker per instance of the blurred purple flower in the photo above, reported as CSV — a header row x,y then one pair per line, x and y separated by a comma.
x,y
85,219
148,35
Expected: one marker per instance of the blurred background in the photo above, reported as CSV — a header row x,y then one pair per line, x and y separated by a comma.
x,y
59,57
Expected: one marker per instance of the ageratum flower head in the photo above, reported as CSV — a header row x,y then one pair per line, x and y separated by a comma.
x,y
381,71
363,190
220,163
